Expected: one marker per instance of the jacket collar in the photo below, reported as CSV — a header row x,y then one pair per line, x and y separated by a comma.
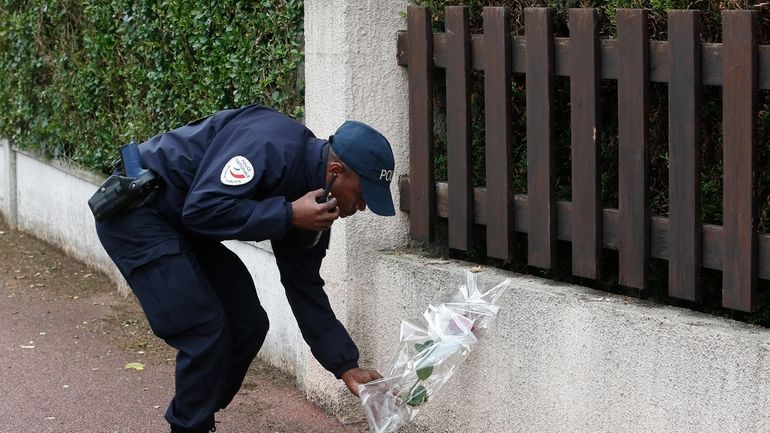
x,y
317,156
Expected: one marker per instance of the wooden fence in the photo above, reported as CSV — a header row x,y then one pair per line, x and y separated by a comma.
x,y
738,65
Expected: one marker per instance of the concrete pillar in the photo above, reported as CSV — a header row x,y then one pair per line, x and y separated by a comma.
x,y
9,195
351,72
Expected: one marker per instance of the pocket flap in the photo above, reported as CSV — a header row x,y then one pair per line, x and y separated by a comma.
x,y
136,258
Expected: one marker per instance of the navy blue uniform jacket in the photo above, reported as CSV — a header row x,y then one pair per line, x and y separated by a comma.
x,y
208,189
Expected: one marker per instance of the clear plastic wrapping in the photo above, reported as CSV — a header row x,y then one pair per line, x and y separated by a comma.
x,y
429,351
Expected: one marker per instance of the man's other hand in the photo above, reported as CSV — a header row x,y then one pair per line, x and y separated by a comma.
x,y
311,215
357,376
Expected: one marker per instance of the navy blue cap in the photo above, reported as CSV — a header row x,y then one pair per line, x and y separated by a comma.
x,y
368,154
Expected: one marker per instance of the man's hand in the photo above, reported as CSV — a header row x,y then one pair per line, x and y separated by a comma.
x,y
311,215
356,376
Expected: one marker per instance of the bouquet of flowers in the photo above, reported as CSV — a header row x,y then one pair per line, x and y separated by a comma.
x,y
429,351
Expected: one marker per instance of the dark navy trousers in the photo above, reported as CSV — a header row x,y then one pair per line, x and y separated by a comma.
x,y
200,298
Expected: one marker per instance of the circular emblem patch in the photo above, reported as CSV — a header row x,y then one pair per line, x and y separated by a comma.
x,y
237,171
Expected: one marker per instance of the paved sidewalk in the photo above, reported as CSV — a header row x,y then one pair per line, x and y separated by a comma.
x,y
65,338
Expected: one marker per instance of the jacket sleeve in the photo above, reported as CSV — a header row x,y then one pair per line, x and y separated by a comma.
x,y
328,339
223,207
225,217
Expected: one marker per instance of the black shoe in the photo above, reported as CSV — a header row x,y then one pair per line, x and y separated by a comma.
x,y
210,428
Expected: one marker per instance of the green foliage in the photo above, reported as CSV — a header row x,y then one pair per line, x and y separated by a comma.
x,y
418,396
425,372
85,76
420,347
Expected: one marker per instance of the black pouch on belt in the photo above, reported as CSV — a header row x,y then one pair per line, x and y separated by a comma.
x,y
119,191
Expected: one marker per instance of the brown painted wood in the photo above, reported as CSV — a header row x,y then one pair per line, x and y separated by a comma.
x,y
661,55
739,98
763,66
584,96
497,130
633,165
458,100
712,234
684,155
421,124
540,162
711,57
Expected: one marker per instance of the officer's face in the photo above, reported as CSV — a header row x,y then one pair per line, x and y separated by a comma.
x,y
347,191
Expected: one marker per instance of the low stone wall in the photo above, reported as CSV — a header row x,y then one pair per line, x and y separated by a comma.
x,y
5,176
564,358
52,204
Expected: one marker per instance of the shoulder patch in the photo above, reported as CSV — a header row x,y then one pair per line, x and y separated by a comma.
x,y
237,171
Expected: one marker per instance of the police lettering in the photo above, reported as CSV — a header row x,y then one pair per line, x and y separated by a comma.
x,y
386,174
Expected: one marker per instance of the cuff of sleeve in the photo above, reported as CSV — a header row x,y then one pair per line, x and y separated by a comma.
x,y
289,216
340,371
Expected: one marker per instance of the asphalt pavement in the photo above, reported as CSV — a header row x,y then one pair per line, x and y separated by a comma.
x,y
66,338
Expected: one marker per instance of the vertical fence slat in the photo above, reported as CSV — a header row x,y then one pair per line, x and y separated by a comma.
x,y
684,155
633,165
584,89
422,182
458,96
541,77
497,113
739,275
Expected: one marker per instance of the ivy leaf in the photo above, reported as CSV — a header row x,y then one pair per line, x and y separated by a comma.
x,y
418,396
425,372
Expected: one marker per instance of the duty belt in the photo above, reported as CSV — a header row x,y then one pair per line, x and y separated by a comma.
x,y
128,186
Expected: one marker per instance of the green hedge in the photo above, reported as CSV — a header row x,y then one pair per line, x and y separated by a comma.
x,y
85,76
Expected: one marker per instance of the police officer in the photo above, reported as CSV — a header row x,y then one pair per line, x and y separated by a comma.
x,y
249,174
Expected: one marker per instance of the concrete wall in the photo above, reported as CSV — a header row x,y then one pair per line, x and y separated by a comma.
x,y
52,203
564,358
5,177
